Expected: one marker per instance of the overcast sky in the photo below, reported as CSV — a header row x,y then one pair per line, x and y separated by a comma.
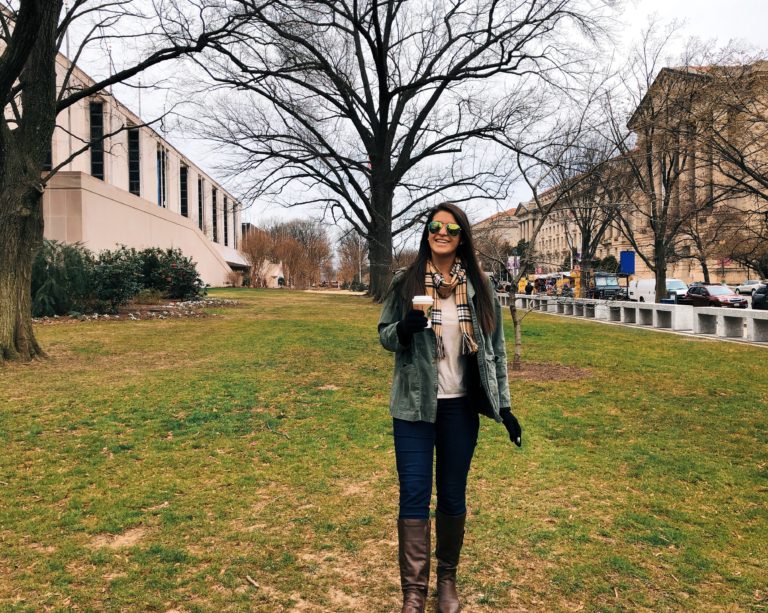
x,y
735,20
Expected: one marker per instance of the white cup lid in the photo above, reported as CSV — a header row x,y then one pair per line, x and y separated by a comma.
x,y
422,300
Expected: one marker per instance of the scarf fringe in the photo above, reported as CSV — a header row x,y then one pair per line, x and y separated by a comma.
x,y
440,347
468,344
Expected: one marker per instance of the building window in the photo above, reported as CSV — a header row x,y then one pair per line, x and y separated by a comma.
x,y
162,176
234,225
134,162
97,139
215,211
226,222
183,190
48,163
200,202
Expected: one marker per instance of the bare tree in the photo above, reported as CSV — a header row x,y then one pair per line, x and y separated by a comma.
x,y
372,109
259,249
736,141
592,181
669,177
304,249
353,257
716,235
31,33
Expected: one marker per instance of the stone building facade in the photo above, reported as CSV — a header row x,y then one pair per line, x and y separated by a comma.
x,y
134,188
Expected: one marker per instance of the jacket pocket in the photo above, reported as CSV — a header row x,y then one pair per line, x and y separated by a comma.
x,y
407,390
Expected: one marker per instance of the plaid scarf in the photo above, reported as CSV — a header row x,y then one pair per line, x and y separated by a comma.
x,y
438,287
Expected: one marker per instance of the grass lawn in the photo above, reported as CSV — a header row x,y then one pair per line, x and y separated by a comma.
x,y
244,462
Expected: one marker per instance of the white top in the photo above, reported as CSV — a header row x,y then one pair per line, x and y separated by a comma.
x,y
450,370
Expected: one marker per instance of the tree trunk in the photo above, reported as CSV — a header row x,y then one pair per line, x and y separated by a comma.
x,y
22,151
517,356
380,249
21,233
705,270
660,263
380,241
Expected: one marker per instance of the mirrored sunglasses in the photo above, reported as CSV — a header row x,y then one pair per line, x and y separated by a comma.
x,y
452,228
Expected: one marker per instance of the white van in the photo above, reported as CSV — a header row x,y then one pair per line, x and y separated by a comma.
x,y
644,290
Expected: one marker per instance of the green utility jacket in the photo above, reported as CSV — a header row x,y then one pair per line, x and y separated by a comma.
x,y
414,386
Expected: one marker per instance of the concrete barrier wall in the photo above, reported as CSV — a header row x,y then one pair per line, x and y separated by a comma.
x,y
717,322
732,323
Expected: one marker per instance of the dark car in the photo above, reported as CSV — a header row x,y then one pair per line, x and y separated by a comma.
x,y
760,298
713,295
606,286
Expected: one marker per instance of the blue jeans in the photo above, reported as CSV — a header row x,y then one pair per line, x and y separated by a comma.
x,y
453,436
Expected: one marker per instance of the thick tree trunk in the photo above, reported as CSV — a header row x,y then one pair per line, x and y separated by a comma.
x,y
21,233
23,149
660,263
380,240
380,250
705,270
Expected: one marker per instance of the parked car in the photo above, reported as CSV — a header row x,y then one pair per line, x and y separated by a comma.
x,y
713,295
760,298
644,290
749,286
605,285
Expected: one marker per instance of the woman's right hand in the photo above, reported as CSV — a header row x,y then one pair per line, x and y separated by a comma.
x,y
414,322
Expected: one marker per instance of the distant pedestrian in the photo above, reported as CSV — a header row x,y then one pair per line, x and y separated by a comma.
x,y
444,376
529,288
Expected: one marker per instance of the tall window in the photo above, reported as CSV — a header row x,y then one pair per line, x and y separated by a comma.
x,y
226,222
134,163
162,176
200,202
215,211
97,139
48,163
183,190
234,225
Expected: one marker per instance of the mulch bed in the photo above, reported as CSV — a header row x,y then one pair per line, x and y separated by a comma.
x,y
136,312
546,371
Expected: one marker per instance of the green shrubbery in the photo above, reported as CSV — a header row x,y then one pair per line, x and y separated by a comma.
x,y
62,279
70,279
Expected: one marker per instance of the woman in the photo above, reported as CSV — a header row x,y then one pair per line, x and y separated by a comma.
x,y
444,376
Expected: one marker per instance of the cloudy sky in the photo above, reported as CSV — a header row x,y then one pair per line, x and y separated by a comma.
x,y
710,20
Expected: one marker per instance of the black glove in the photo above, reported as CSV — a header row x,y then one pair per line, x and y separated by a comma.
x,y
413,322
512,425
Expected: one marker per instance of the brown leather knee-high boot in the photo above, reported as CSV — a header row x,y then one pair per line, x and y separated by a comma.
x,y
449,533
413,537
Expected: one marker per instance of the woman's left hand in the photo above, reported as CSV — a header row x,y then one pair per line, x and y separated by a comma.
x,y
512,425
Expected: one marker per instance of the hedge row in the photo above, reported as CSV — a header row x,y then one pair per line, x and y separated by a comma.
x,y
69,279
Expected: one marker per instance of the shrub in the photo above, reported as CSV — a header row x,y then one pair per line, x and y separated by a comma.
x,y
172,273
62,279
67,278
116,278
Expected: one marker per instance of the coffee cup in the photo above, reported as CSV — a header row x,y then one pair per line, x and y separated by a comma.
x,y
424,304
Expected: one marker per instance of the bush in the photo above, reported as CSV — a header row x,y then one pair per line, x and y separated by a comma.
x,y
62,279
116,278
172,273
67,278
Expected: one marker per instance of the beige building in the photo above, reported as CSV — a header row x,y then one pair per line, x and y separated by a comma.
x,y
502,227
133,188
695,186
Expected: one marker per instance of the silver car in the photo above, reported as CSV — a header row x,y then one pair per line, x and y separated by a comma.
x,y
749,286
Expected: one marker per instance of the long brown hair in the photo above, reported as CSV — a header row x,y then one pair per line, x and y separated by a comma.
x,y
413,281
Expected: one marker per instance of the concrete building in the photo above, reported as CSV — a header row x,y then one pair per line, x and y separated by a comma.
x,y
133,188
676,124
